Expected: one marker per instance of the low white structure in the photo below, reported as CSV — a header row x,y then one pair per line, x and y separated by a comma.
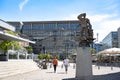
x,y
6,36
6,26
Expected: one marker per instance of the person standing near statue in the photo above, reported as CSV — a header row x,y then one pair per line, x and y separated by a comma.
x,y
55,63
66,64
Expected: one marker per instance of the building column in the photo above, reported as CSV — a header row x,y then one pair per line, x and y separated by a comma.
x,y
25,55
17,55
32,55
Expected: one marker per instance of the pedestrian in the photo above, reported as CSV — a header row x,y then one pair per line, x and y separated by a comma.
x,y
66,64
55,63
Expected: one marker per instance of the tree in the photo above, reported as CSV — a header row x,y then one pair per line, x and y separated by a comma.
x,y
93,51
7,44
46,57
29,49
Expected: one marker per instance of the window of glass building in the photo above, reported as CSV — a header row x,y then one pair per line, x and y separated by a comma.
x,y
115,35
17,28
26,27
37,27
74,26
49,26
62,26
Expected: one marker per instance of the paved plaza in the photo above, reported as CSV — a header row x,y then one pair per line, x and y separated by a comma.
x,y
104,73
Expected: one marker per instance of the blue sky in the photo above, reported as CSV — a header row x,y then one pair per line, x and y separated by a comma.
x,y
103,14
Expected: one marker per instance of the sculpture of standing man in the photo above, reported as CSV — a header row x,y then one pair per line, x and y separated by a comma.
x,y
86,31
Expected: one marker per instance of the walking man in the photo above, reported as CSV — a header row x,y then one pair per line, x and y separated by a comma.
x,y
66,64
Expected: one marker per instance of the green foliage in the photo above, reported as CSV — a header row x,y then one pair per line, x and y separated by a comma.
x,y
104,59
16,45
93,51
45,56
69,57
40,56
99,57
11,32
29,49
49,56
57,56
7,44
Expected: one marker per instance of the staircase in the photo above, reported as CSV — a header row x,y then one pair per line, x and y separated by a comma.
x,y
13,67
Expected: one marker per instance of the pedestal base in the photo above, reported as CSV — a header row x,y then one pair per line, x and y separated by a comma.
x,y
83,64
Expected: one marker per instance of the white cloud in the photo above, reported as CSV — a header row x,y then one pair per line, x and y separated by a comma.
x,y
22,4
70,17
112,7
99,18
102,24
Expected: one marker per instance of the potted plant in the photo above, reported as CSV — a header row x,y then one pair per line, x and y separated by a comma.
x,y
45,58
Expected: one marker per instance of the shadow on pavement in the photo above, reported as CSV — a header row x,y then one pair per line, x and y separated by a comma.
x,y
111,76
69,79
57,72
49,72
61,72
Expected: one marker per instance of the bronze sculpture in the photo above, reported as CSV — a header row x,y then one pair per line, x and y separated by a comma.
x,y
86,31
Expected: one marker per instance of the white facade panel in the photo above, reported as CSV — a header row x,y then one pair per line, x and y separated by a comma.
x,y
7,26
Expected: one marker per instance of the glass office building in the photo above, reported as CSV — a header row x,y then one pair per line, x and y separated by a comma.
x,y
111,40
118,37
55,37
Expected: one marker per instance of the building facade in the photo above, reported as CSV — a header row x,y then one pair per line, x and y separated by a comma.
x,y
98,47
119,37
111,40
55,37
8,34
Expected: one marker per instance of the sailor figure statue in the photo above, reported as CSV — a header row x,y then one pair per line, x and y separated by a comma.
x,y
83,58
86,31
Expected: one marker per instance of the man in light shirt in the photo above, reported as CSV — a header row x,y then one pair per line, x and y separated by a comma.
x,y
66,64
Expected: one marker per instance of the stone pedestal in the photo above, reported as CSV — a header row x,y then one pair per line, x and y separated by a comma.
x,y
83,64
